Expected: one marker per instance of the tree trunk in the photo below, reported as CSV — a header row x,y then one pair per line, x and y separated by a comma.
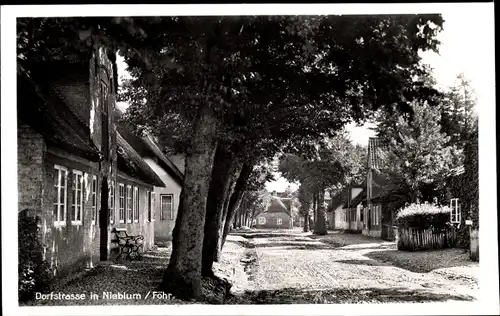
x,y
234,203
321,217
306,222
183,275
315,206
219,189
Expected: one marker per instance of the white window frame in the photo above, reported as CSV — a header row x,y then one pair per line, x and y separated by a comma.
x,y
112,201
129,201
153,210
121,203
135,206
62,208
262,220
279,221
93,195
162,211
455,210
75,207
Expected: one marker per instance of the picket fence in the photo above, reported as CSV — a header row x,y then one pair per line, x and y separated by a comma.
x,y
412,239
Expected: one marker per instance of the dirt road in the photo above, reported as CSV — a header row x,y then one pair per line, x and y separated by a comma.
x,y
293,267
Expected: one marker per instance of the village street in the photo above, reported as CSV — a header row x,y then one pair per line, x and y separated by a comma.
x,y
297,267
292,267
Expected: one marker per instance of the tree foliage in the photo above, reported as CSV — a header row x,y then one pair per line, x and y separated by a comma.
x,y
417,152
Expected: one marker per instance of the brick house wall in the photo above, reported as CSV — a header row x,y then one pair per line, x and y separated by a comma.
x,y
30,154
271,220
69,246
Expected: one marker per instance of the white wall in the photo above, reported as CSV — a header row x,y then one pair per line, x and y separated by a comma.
x,y
163,228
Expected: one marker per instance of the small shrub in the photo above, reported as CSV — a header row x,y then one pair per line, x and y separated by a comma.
x,y
35,274
423,216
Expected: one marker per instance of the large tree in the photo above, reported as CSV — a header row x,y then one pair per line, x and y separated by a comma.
x,y
337,162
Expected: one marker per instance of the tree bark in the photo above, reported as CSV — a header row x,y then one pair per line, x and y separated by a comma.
x,y
232,183
306,222
234,203
315,206
321,218
183,275
224,166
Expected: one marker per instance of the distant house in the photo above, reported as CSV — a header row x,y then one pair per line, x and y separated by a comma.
x,y
75,173
343,213
165,198
275,216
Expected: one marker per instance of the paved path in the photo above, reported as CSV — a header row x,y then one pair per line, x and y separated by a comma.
x,y
299,267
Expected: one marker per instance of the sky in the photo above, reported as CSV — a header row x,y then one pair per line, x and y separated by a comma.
x,y
460,52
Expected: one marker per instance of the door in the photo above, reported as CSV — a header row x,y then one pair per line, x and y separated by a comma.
x,y
103,221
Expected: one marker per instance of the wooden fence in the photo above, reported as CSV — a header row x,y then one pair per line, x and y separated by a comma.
x,y
474,244
412,239
389,232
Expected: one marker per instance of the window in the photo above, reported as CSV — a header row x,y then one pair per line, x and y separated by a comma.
x,y
262,220
278,221
375,215
166,207
455,215
150,205
128,204
60,196
121,201
94,199
136,205
361,215
111,203
77,202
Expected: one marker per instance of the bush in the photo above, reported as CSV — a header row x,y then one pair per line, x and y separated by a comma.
x,y
423,216
35,274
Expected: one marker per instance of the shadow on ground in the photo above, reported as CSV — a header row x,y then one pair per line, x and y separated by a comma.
x,y
423,261
343,296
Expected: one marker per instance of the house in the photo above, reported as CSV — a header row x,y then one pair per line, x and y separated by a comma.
x,y
165,199
381,196
72,164
131,195
275,216
341,214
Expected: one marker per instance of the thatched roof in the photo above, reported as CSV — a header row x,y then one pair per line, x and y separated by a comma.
x,y
147,146
277,206
131,163
39,107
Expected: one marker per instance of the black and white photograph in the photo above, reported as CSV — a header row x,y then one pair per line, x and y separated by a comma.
x,y
177,159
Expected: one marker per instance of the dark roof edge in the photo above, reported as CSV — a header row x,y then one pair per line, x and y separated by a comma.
x,y
145,173
172,168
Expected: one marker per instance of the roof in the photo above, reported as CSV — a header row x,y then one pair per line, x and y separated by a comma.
x,y
339,199
39,107
375,148
360,198
169,164
130,162
276,205
147,146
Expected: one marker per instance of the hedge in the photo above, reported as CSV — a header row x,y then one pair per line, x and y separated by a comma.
x,y
423,216
35,274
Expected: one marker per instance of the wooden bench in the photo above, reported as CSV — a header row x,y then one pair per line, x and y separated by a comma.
x,y
128,246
